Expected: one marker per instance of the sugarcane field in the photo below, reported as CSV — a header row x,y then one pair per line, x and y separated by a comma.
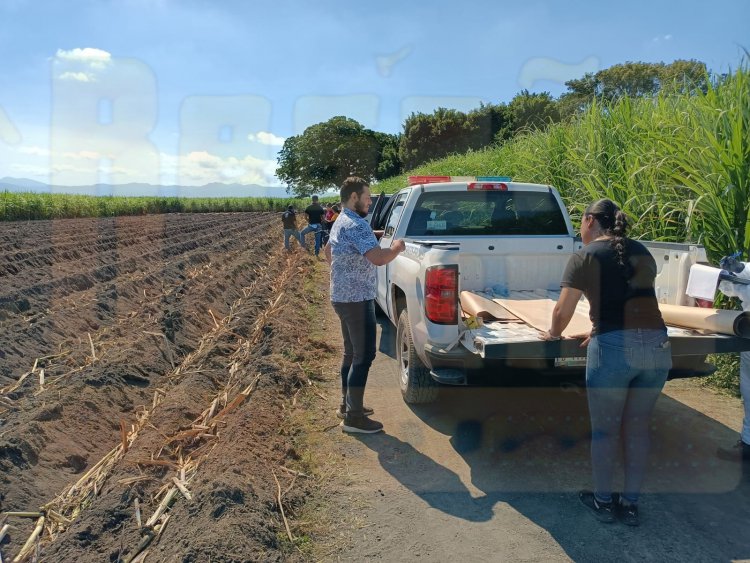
x,y
147,367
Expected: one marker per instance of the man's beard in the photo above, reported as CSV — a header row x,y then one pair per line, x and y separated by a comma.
x,y
360,210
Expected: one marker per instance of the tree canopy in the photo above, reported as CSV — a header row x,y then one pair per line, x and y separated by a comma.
x,y
325,154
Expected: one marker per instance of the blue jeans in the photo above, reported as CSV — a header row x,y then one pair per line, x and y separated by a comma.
x,y
289,233
625,373
358,329
312,228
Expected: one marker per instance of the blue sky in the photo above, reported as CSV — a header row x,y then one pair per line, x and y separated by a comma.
x,y
193,92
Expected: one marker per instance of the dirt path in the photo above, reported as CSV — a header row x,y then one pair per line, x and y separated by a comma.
x,y
491,474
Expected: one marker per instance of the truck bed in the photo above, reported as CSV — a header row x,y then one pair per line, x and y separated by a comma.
x,y
518,340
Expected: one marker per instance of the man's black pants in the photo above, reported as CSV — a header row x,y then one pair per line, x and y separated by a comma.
x,y
358,329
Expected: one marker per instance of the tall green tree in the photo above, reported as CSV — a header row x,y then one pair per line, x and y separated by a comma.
x,y
491,123
430,136
633,79
325,154
389,163
532,111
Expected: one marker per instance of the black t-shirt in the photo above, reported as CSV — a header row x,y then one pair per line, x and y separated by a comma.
x,y
619,298
289,219
315,213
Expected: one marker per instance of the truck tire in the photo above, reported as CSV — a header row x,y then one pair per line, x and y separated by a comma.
x,y
414,379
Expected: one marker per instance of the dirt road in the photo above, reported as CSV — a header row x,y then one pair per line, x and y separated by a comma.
x,y
491,474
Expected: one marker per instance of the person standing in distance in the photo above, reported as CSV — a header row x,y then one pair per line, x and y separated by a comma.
x,y
289,221
354,255
315,214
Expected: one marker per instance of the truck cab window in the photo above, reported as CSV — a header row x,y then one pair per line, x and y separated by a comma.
x,y
394,215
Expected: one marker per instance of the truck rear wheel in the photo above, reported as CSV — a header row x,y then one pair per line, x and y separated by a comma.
x,y
414,379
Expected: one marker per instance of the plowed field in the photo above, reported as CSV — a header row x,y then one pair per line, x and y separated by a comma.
x,y
145,363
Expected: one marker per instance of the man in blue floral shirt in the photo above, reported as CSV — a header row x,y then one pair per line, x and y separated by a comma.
x,y
354,254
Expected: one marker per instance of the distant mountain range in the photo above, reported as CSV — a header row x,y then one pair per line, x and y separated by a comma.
x,y
215,189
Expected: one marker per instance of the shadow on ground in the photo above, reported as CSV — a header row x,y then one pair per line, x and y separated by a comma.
x,y
527,445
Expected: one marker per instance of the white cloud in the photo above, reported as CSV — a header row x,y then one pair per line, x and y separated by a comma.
x,y
94,58
201,167
660,38
266,138
37,151
78,76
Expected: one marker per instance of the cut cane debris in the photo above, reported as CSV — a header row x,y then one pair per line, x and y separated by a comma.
x,y
23,514
138,514
165,504
93,352
182,488
124,435
281,508
31,542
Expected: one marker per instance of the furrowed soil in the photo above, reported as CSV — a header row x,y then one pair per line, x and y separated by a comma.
x,y
148,370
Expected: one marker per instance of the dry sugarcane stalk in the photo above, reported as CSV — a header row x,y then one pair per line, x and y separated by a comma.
x,y
239,398
165,503
124,435
144,543
183,489
131,480
158,462
166,342
3,531
93,352
281,507
138,513
53,515
183,435
24,514
293,472
41,378
159,528
29,545
214,318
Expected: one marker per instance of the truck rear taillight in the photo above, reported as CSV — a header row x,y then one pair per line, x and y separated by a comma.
x,y
487,186
441,294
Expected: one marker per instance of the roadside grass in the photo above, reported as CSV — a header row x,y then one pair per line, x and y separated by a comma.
x,y
312,420
726,378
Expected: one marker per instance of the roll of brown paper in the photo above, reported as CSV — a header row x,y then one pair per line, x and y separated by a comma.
x,y
487,309
735,323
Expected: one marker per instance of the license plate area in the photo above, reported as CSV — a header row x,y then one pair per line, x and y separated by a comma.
x,y
576,362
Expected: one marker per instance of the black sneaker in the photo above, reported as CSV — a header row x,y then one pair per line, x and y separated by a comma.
x,y
341,413
360,424
739,452
626,513
604,512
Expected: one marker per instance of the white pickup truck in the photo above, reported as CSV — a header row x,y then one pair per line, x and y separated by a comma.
x,y
498,238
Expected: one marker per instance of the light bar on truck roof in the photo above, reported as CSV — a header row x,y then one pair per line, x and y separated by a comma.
x,y
415,180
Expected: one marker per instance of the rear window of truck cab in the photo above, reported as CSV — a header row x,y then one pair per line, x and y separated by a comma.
x,y
486,213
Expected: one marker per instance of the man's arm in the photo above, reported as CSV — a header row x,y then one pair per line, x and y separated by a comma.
x,y
327,252
381,256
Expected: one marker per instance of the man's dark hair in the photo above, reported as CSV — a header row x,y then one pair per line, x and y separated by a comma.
x,y
315,198
351,185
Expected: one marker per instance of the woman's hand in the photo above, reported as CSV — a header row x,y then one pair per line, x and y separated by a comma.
x,y
549,338
585,342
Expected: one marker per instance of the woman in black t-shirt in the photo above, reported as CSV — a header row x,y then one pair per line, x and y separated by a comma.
x,y
628,355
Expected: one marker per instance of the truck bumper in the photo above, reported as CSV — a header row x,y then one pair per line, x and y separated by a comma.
x,y
681,346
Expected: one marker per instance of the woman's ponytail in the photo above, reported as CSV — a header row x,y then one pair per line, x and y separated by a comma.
x,y
614,223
